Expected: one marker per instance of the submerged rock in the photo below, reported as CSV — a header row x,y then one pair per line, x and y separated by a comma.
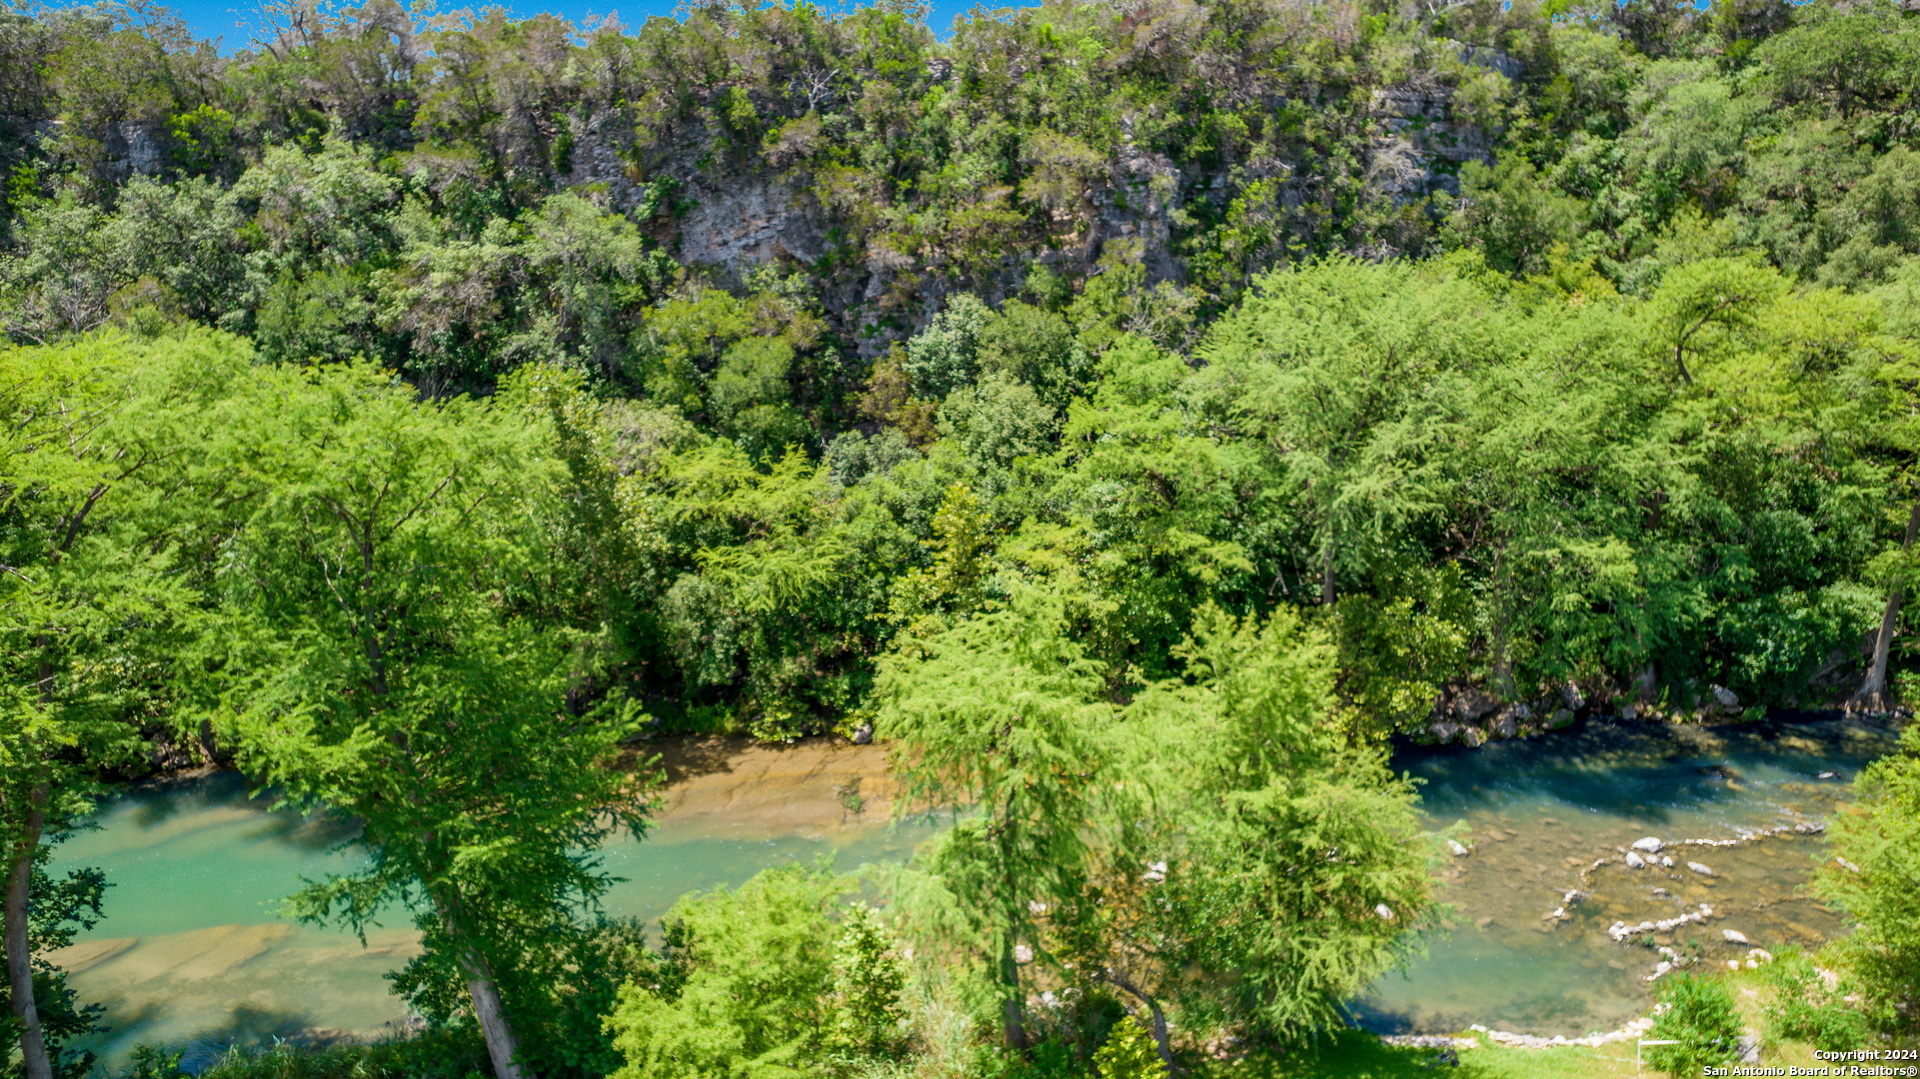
x,y
1634,861
1700,869
1650,845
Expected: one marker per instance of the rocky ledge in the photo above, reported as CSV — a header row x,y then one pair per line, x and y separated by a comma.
x,y
1472,716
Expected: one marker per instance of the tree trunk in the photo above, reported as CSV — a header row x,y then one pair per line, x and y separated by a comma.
x,y
1160,1035
1326,576
1873,692
1012,1009
26,1012
503,1048
1160,1039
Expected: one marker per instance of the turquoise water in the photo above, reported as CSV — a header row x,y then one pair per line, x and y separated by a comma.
x,y
1538,812
192,951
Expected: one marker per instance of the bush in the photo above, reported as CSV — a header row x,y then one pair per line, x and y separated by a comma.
x,y
1700,1016
1876,843
752,970
435,1054
1128,1054
1805,1008
868,976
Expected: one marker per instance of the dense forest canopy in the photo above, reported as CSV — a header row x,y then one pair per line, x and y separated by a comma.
x,y
871,328
415,410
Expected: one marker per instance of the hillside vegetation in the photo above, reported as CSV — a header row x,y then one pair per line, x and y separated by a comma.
x,y
1135,413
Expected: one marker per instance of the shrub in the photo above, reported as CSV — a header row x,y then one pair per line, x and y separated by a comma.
x,y
753,971
1876,843
1805,1008
868,976
1128,1054
1700,1016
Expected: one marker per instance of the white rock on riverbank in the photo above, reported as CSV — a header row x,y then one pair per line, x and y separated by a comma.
x,y
1635,1029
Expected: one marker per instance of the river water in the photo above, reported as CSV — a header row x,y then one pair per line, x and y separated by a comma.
x,y
193,953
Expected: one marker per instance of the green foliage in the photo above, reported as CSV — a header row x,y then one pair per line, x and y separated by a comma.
x,y
1806,1008
868,978
436,715
105,473
155,1062
1701,1017
745,986
1002,712
819,369
58,909
431,1054
1128,1053
1876,844
1255,780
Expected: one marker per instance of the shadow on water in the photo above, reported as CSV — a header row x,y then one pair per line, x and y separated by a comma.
x,y
1523,944
148,1023
1648,772
158,803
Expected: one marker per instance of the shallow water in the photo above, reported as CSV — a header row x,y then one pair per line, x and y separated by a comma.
x,y
1541,811
192,952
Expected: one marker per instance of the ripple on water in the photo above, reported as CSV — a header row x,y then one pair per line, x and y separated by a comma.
x,y
1542,811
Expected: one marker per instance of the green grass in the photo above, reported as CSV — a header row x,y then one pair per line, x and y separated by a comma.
x,y
1352,1055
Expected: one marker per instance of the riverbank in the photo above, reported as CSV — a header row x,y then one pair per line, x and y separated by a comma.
x,y
193,953
1532,818
1357,1055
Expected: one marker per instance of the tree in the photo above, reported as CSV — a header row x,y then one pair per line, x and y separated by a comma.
x,y
1282,864
868,977
59,908
99,483
1327,367
743,984
378,664
1876,847
1000,714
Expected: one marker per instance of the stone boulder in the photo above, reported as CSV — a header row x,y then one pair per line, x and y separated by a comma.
x,y
1472,703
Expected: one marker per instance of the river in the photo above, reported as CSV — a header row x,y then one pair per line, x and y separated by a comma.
x,y
192,952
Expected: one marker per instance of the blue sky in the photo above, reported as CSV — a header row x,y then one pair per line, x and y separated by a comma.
x,y
228,20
